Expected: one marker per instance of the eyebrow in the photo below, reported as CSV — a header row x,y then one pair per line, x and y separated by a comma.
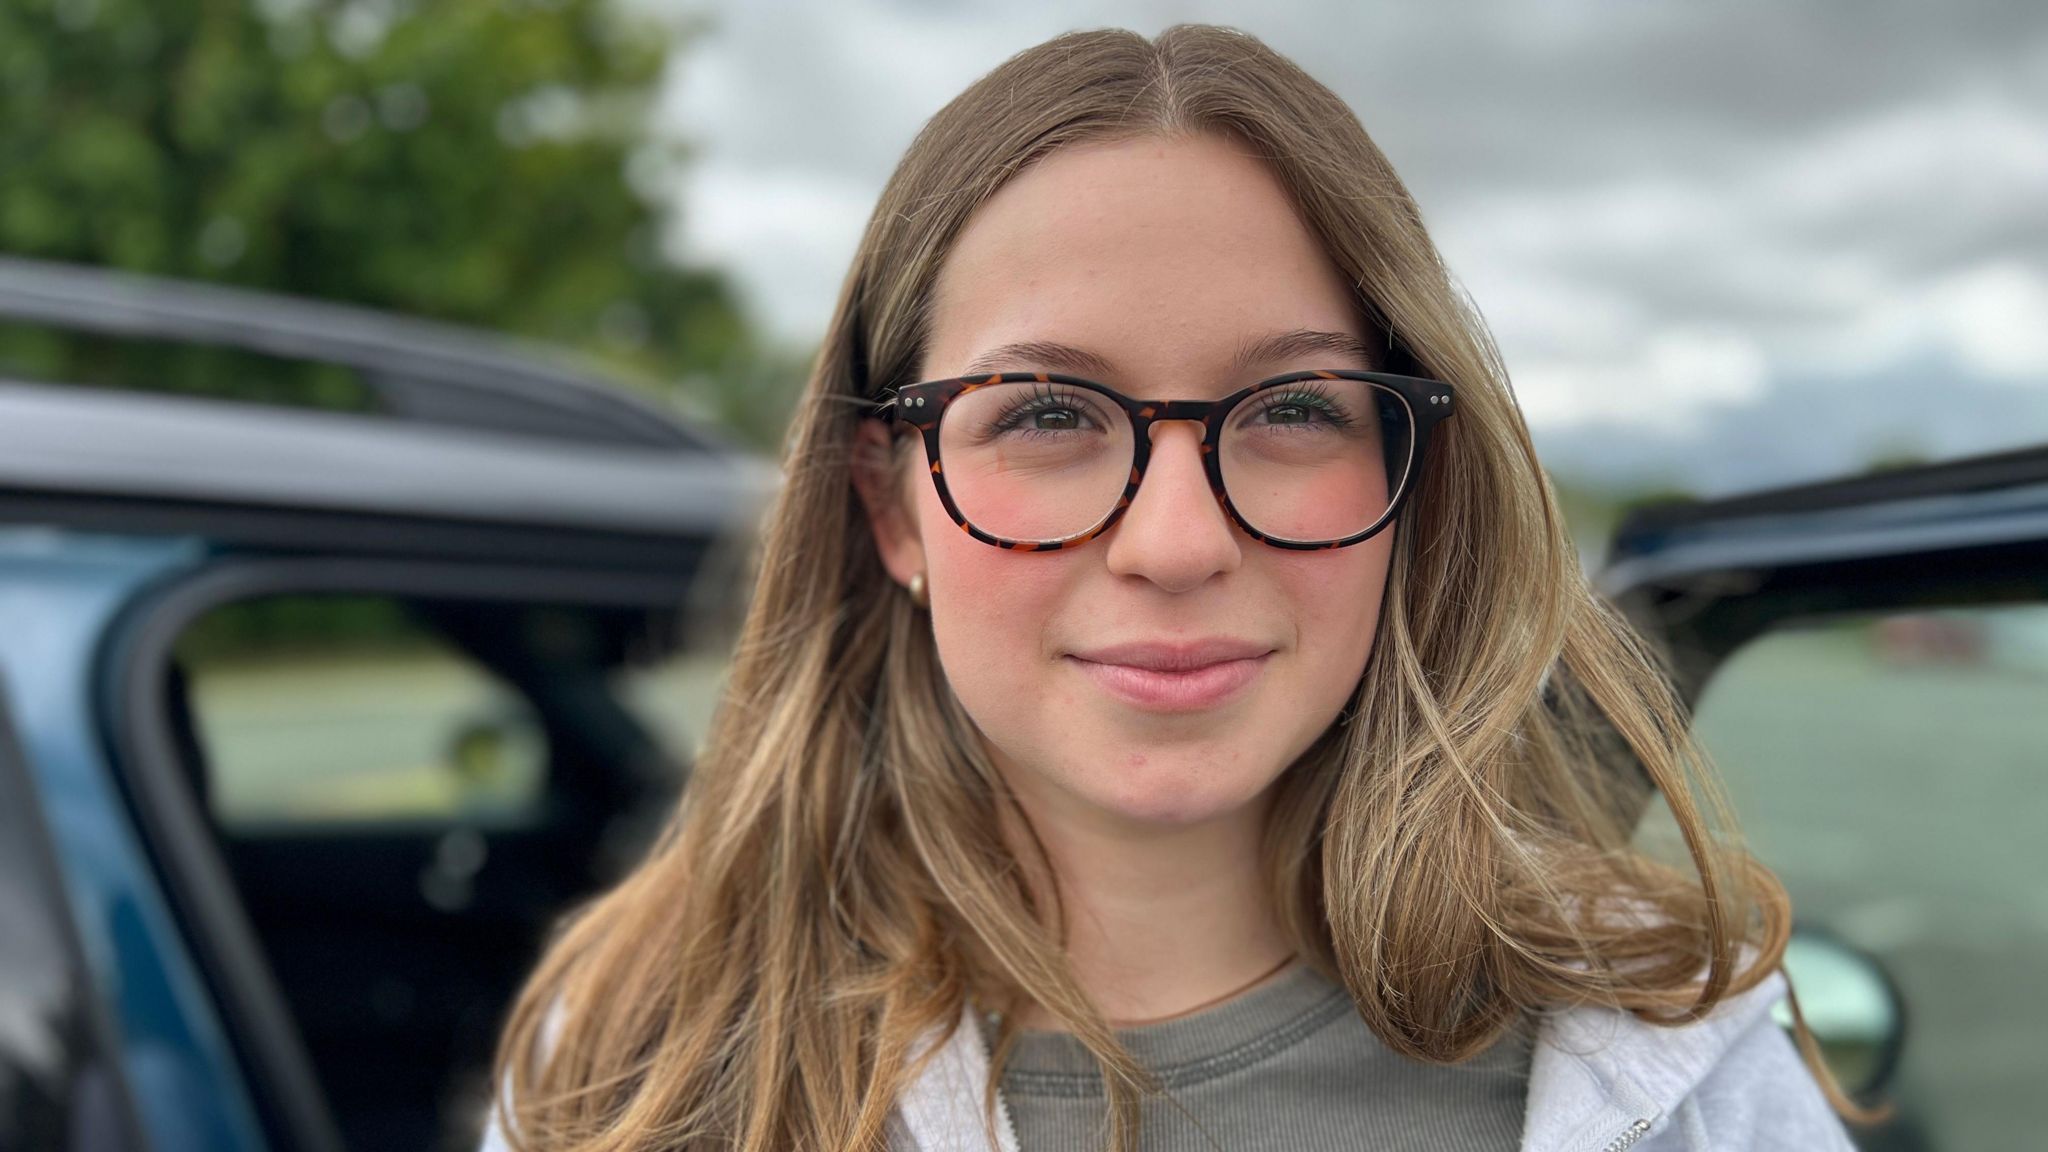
x,y
1054,356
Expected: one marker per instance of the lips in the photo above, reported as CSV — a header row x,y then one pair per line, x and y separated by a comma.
x,y
1175,677
1187,657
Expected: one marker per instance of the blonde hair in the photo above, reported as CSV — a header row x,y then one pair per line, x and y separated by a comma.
x,y
1455,851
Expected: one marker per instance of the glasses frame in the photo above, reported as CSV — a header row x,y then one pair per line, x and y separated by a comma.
x,y
923,405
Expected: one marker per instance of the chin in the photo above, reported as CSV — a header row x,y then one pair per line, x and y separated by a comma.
x,y
1173,799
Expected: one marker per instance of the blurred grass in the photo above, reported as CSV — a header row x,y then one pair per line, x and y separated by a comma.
x,y
331,739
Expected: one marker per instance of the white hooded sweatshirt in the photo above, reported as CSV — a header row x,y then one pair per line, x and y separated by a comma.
x,y
1600,1080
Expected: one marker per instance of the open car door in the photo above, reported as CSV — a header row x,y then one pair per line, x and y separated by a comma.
x,y
1867,661
62,1077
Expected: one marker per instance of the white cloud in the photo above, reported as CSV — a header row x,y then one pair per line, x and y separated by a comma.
x,y
1658,382
787,234
1992,319
1851,251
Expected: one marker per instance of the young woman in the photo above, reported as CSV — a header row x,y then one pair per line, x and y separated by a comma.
x,y
1170,714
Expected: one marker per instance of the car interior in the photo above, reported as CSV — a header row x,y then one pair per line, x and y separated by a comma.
x,y
398,936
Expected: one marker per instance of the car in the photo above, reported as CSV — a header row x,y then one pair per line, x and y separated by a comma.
x,y
317,719
312,723
1863,659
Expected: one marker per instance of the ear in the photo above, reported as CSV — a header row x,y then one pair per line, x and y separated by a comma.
x,y
891,503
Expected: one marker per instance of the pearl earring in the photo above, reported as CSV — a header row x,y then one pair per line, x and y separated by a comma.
x,y
918,594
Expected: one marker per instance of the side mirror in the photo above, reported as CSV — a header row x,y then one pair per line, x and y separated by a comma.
x,y
478,755
1851,1004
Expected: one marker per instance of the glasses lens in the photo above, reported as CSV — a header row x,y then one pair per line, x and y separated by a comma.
x,y
1316,460
1035,461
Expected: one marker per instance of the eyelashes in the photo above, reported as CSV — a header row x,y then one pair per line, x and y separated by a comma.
x,y
1308,396
1041,402
1312,397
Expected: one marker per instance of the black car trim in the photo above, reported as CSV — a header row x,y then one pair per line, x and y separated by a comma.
x,y
396,536
1746,539
138,655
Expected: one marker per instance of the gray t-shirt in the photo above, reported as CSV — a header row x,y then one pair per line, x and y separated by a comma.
x,y
1288,1065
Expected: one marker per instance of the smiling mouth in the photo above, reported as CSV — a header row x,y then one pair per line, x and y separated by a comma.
x,y
1187,690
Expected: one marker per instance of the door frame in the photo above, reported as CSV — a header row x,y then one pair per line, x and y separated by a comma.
x,y
176,831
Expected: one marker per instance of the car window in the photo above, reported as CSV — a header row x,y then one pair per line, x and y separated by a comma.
x,y
1890,769
334,710
672,689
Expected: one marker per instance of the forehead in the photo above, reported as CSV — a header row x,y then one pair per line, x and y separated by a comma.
x,y
1163,257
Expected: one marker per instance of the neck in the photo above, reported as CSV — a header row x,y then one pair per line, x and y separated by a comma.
x,y
1160,921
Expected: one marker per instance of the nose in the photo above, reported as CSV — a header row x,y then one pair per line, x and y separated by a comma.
x,y
1175,533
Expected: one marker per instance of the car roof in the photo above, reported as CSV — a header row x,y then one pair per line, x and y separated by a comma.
x,y
60,440
1967,474
415,369
1951,507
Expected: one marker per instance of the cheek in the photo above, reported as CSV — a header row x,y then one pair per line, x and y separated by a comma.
x,y
1335,598
989,606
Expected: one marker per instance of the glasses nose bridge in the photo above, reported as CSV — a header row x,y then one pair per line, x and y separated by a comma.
x,y
1159,412
1195,411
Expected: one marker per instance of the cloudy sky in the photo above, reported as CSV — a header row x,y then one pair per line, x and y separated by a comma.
x,y
1721,245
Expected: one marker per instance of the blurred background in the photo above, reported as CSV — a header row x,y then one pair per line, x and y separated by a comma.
x,y
1720,248
391,525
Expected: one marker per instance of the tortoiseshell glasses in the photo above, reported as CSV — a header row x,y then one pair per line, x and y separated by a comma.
x,y
1038,461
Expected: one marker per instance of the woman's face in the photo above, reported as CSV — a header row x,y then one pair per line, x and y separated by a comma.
x,y
1161,260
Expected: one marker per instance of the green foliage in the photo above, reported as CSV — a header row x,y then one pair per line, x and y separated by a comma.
x,y
755,397
1895,457
479,162
38,352
293,626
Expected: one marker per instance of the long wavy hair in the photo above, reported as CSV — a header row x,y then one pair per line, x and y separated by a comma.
x,y
1455,850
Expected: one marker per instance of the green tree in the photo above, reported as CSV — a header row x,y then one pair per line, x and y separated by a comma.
x,y
481,162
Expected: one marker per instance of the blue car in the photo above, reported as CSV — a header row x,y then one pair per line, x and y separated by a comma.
x,y
313,717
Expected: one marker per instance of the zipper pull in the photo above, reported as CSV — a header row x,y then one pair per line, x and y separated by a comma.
x,y
1628,1137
